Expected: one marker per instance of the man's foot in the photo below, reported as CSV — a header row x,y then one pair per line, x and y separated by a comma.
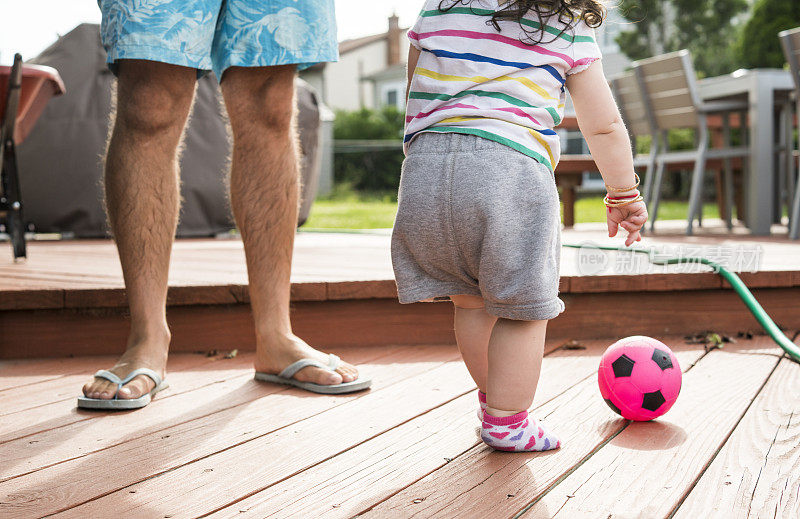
x,y
149,353
275,354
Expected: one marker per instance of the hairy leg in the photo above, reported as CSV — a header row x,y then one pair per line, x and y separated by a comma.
x,y
264,195
142,197
516,349
473,328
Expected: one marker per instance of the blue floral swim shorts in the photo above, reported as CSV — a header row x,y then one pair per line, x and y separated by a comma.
x,y
217,34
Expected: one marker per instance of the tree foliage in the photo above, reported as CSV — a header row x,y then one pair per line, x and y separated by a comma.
x,y
759,45
373,170
386,123
705,27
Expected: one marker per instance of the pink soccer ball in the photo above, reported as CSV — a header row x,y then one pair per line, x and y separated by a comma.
x,y
639,378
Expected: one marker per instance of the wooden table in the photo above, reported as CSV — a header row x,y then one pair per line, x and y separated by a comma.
x,y
764,90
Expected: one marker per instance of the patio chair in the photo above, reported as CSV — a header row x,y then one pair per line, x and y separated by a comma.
x,y
638,121
790,40
24,91
671,97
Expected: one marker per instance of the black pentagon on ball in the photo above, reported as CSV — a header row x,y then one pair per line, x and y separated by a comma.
x,y
662,358
623,366
612,406
652,401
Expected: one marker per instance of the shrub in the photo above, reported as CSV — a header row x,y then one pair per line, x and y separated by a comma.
x,y
386,123
373,170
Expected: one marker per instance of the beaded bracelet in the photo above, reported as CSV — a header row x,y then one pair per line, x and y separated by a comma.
x,y
611,189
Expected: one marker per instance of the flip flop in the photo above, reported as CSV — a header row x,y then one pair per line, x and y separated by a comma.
x,y
285,377
120,403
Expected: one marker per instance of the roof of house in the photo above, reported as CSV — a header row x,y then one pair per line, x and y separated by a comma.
x,y
356,43
397,71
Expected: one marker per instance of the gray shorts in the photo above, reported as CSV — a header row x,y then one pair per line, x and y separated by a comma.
x,y
476,217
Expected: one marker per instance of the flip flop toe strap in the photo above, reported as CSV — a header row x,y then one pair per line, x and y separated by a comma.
x,y
111,377
147,372
107,375
292,369
333,362
114,379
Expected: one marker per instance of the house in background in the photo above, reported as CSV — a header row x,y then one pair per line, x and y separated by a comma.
x,y
370,72
389,86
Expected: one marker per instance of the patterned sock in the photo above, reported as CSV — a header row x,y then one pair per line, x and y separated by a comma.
x,y
482,404
518,433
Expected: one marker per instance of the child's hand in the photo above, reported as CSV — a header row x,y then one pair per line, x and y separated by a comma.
x,y
631,217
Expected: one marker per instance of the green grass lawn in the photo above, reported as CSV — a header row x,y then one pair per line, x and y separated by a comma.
x,y
352,211
376,211
593,210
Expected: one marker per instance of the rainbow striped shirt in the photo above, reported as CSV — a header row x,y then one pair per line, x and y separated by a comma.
x,y
472,79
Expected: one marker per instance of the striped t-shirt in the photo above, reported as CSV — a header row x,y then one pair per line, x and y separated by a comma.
x,y
472,79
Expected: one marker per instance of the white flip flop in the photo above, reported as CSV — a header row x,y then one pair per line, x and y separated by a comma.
x,y
285,377
121,403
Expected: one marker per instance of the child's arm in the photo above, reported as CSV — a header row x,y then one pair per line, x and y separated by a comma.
x,y
602,127
413,56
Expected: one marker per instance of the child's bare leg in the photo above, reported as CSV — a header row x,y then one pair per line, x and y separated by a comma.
x,y
515,356
473,328
515,361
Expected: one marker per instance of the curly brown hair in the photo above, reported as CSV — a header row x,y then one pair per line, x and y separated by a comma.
x,y
593,12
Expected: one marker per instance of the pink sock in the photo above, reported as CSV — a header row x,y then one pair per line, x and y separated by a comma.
x,y
517,433
482,404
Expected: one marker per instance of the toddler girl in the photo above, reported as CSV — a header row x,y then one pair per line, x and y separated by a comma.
x,y
478,219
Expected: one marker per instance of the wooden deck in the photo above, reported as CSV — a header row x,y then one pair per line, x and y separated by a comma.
x,y
219,444
335,266
68,298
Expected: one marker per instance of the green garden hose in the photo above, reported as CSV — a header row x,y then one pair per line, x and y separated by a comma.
x,y
766,322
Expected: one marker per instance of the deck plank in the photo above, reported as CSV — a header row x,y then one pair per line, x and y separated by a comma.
x,y
43,429
757,472
353,481
649,467
247,426
215,481
486,483
68,387
23,372
52,414
195,395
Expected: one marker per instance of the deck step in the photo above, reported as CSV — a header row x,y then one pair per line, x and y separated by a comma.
x,y
381,321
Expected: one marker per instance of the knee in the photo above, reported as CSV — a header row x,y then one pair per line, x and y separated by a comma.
x,y
151,107
260,99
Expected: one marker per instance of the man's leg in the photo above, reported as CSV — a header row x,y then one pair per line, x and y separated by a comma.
x,y
264,195
142,197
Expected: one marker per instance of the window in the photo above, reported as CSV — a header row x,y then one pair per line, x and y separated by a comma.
x,y
391,97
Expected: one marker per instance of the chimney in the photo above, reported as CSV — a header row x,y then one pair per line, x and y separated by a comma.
x,y
393,44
